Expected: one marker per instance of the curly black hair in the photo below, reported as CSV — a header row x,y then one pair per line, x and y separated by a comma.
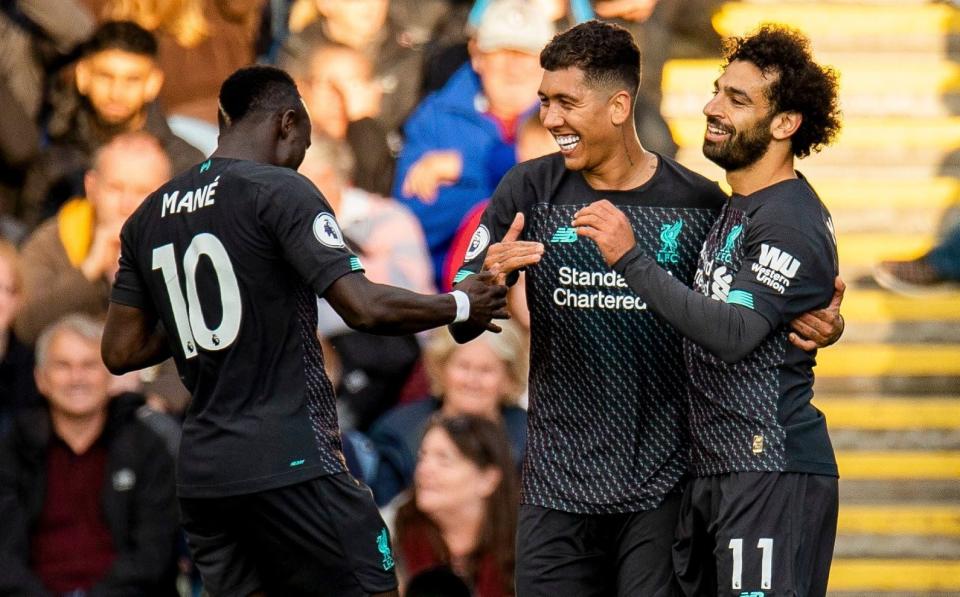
x,y
257,88
606,53
801,85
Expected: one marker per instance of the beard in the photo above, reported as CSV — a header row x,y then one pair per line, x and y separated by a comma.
x,y
742,148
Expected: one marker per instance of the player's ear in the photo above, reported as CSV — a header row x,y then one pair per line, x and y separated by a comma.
x,y
785,124
288,121
620,105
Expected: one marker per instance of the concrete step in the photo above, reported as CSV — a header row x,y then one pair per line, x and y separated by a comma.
x,y
890,412
912,332
891,383
901,547
894,492
865,194
848,439
889,464
913,519
873,306
847,359
926,85
867,248
880,219
894,28
916,576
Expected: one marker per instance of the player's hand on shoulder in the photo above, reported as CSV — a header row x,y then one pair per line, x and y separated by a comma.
x,y
488,300
607,226
823,327
510,254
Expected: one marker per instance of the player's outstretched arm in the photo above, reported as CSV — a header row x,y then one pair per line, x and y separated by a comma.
x,y
727,331
388,310
132,340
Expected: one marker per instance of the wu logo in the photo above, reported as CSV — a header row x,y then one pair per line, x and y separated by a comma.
x,y
668,238
779,260
564,235
383,546
727,250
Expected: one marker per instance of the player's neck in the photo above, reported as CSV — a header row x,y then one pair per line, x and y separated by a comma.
x,y
629,167
775,166
243,144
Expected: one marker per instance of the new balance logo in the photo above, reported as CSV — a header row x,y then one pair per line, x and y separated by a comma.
x,y
564,235
778,260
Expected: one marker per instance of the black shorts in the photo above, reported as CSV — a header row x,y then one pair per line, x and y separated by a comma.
x,y
320,537
757,535
587,555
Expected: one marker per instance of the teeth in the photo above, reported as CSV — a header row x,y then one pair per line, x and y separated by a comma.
x,y
567,142
716,130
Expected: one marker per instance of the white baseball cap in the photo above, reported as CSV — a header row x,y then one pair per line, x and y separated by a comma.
x,y
514,25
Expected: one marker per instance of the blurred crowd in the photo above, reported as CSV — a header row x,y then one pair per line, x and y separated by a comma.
x,y
418,108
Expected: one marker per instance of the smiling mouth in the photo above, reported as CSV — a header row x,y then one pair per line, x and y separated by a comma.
x,y
567,143
715,132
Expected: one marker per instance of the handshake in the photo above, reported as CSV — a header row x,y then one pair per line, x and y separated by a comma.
x,y
486,290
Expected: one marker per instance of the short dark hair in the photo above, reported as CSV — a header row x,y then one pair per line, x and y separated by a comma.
x,y
125,36
801,85
257,89
606,53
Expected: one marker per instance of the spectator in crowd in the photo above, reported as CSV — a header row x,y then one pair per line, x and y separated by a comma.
x,y
70,260
215,35
937,270
366,26
449,47
483,378
35,36
462,510
344,100
461,139
117,79
86,490
387,238
17,388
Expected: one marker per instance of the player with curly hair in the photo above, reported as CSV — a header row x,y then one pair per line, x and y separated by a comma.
x,y
759,516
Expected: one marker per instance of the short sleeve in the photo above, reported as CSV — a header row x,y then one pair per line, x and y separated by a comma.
x,y
507,201
302,223
129,287
786,271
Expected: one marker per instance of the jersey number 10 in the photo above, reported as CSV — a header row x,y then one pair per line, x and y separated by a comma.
x,y
192,329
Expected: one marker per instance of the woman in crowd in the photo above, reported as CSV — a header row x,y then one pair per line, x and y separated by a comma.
x,y
484,378
462,510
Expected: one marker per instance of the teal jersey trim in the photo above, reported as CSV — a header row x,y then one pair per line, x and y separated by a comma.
x,y
355,265
462,275
740,297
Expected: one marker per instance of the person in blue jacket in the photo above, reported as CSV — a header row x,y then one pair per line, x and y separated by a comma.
x,y
461,139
